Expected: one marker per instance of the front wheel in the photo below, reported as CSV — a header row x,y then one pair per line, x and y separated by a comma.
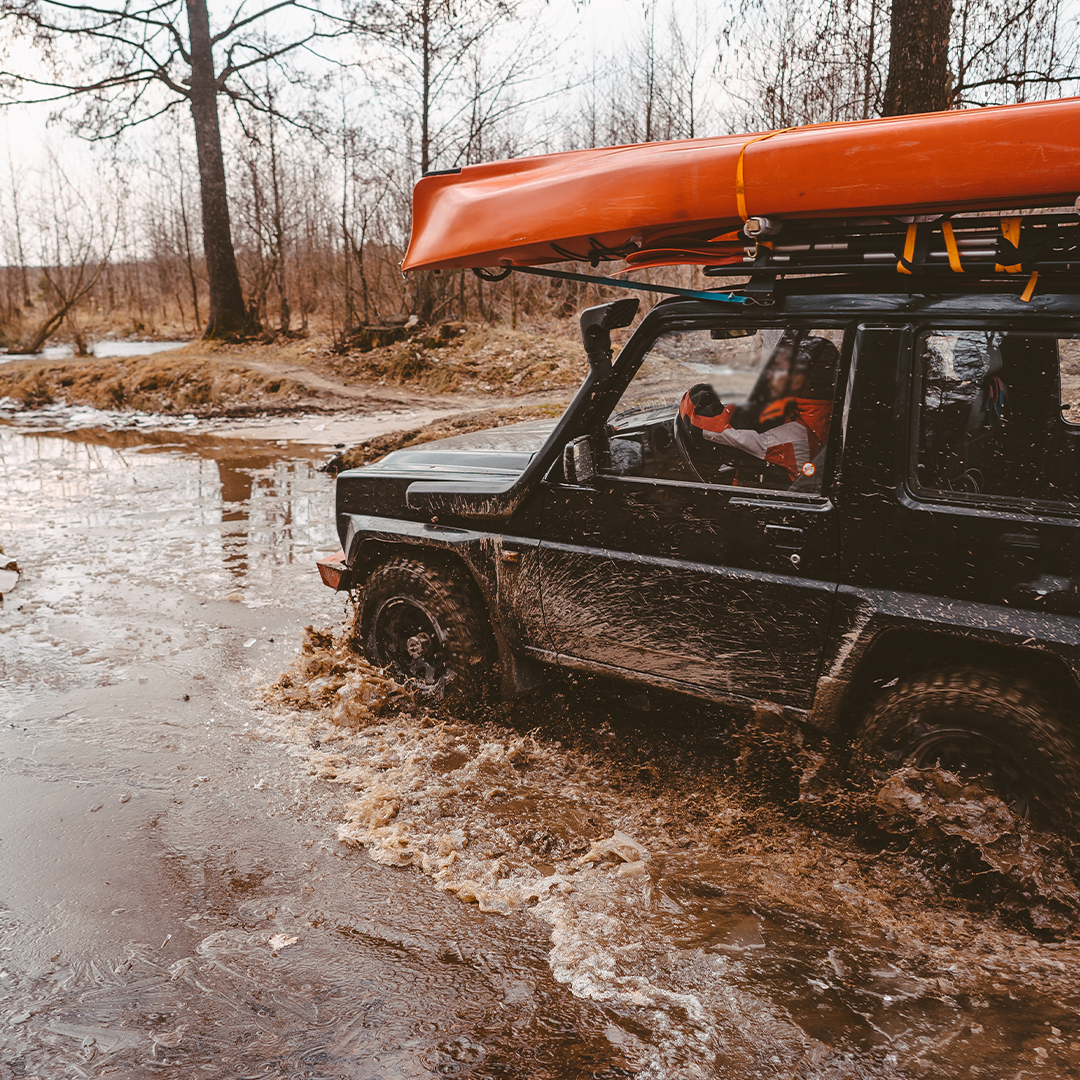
x,y
425,623
980,724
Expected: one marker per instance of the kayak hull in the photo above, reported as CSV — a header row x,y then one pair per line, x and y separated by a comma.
x,y
534,210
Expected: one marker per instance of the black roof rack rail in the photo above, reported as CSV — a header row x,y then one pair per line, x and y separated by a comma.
x,y
942,246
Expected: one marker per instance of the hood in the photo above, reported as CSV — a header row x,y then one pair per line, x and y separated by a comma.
x,y
494,454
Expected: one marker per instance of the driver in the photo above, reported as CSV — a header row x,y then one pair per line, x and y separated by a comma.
x,y
786,420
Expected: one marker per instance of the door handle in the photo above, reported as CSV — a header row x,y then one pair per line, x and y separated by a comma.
x,y
788,533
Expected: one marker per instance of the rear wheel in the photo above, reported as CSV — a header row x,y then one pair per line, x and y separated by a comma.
x,y
426,623
979,724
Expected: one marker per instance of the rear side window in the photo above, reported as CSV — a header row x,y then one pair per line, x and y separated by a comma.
x,y
998,415
1069,357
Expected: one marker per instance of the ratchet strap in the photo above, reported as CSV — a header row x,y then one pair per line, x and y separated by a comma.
x,y
740,180
1009,246
951,248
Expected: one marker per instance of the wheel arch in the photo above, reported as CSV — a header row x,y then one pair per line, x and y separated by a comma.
x,y
902,651
368,552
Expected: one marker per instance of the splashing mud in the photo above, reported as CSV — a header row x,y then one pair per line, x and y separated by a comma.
x,y
730,938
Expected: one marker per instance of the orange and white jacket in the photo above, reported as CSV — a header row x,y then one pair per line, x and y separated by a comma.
x,y
793,443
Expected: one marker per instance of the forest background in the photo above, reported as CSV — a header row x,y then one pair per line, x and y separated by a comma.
x,y
174,169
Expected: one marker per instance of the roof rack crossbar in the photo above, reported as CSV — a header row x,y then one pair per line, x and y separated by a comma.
x,y
619,283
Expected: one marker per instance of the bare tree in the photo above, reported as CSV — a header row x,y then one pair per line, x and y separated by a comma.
x,y
16,225
809,62
130,62
76,243
1013,52
850,59
435,74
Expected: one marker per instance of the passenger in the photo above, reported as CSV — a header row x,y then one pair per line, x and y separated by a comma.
x,y
786,420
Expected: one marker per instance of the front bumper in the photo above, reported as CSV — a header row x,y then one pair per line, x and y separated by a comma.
x,y
334,572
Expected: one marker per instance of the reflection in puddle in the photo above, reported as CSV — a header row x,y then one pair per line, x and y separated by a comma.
x,y
193,509
169,901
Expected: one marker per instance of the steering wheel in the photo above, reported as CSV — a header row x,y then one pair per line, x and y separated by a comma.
x,y
684,450
725,461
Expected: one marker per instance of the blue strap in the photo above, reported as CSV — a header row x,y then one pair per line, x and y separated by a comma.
x,y
641,286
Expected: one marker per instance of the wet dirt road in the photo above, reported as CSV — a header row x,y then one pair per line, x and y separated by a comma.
x,y
200,882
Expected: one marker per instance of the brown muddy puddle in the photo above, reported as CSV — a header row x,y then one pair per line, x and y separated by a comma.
x,y
199,877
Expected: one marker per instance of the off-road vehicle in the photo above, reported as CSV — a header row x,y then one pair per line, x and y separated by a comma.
x,y
911,589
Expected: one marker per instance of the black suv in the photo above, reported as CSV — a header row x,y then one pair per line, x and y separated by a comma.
x,y
908,583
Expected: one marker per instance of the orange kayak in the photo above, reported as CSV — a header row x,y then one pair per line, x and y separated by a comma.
x,y
607,203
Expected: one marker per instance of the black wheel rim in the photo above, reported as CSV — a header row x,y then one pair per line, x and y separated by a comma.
x,y
971,755
407,637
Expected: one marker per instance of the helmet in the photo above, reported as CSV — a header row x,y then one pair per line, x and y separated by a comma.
x,y
700,400
813,370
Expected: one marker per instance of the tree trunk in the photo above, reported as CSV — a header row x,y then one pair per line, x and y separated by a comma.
x,y
227,315
27,301
918,57
425,93
192,280
280,270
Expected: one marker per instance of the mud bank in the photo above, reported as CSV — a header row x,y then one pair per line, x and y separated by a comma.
x,y
179,381
457,361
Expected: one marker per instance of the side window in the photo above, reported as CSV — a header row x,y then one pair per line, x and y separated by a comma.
x,y
1069,378
736,406
997,415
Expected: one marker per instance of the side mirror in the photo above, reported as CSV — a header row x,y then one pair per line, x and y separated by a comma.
x,y
579,467
596,326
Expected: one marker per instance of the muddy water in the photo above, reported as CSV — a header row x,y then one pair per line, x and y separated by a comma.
x,y
97,349
173,898
209,871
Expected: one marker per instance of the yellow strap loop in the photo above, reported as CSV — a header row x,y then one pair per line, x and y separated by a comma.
x,y
740,184
1010,229
1029,288
951,248
909,250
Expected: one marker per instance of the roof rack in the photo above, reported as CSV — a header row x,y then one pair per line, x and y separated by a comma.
x,y
926,245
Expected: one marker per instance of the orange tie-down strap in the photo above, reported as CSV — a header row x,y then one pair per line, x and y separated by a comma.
x,y
905,265
1010,231
740,179
951,248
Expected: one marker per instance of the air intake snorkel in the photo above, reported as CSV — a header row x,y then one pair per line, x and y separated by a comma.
x,y
596,326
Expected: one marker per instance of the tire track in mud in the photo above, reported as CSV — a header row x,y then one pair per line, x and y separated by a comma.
x,y
729,939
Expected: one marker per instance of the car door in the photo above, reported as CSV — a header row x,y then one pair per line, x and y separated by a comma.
x,y
982,508
721,588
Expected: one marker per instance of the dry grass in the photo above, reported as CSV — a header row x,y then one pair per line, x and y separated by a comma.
x,y
168,382
461,356
217,378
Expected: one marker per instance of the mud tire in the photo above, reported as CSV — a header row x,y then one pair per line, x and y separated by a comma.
x,y
405,600
1003,724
